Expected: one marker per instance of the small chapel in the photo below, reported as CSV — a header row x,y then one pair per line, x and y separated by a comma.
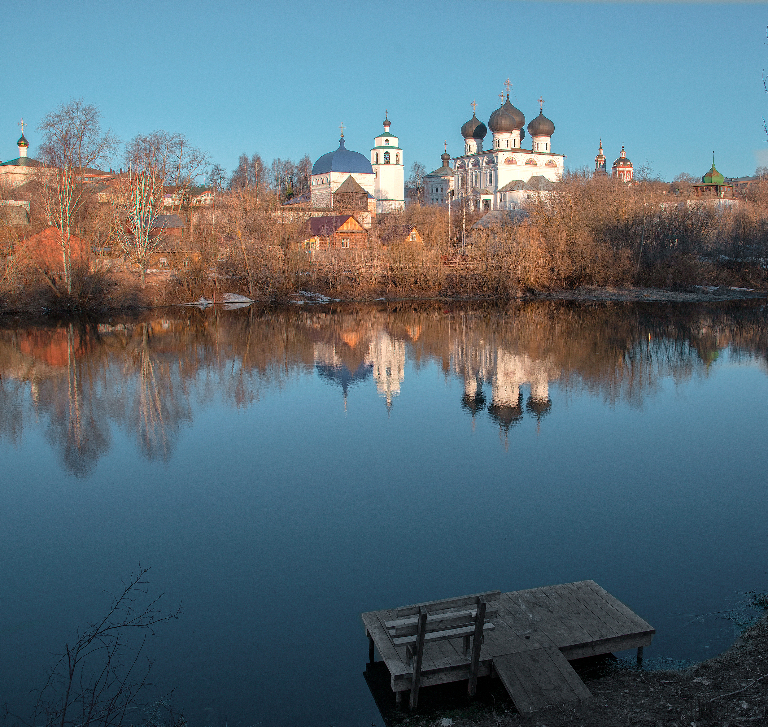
x,y
15,172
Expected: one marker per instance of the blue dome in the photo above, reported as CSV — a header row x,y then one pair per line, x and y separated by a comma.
x,y
342,160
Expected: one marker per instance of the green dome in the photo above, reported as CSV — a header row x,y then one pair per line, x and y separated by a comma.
x,y
713,176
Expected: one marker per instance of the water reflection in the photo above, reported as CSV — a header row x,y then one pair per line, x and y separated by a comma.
x,y
143,376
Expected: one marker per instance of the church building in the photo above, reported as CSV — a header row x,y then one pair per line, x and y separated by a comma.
x,y
332,170
345,179
500,177
16,172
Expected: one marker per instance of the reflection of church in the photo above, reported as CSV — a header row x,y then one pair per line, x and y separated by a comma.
x,y
384,360
507,373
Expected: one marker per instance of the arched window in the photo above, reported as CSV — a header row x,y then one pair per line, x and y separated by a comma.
x,y
397,158
386,157
386,141
377,157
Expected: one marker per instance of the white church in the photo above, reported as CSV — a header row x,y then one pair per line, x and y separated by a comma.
x,y
348,173
504,176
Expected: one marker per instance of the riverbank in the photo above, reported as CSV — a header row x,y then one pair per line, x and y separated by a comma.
x,y
125,298
729,689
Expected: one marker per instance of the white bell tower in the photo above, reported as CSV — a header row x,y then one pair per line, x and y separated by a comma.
x,y
389,168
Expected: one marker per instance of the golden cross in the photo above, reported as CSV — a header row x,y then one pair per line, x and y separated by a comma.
x,y
341,126
474,106
22,125
501,97
508,85
541,104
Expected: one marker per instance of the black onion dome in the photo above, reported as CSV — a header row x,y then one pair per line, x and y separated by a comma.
x,y
541,126
474,129
506,119
23,141
446,157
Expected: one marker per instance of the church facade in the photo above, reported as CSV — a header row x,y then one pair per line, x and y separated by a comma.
x,y
376,186
501,177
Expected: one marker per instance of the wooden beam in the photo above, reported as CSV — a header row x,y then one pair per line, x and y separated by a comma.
x,y
416,682
477,642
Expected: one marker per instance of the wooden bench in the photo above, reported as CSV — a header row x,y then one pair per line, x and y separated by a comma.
x,y
465,618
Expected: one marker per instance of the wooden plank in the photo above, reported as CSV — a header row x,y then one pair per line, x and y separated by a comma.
x,y
446,604
639,624
613,623
381,638
443,620
531,611
539,678
574,618
444,634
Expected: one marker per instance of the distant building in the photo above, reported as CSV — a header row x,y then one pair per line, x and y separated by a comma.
x,y
600,161
713,184
20,170
438,185
622,168
333,169
481,178
388,168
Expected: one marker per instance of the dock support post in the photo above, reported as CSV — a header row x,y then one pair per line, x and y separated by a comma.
x,y
639,655
477,642
420,633
370,649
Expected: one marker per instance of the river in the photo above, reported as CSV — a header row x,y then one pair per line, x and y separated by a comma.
x,y
281,471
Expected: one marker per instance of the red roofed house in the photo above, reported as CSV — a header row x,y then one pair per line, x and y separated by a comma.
x,y
335,232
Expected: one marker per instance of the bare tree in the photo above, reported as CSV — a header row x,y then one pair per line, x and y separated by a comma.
x,y
73,142
97,679
157,162
414,185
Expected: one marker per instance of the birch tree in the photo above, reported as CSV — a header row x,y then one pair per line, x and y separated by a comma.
x,y
162,168
72,143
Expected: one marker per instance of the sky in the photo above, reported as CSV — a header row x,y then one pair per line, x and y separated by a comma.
x,y
672,82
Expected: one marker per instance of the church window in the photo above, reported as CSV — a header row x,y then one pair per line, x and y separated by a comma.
x,y
377,157
386,157
345,242
386,141
397,159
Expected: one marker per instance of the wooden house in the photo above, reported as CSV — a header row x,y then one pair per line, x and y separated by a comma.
x,y
406,235
335,232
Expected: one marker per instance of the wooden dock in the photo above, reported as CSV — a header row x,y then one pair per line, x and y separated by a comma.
x,y
526,639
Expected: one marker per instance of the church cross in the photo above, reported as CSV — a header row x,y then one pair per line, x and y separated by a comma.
x,y
341,126
501,97
508,85
445,144
474,106
541,104
22,125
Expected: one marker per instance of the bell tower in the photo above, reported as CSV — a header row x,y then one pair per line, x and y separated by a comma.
x,y
389,169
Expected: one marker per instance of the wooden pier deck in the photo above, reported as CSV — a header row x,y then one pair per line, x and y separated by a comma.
x,y
528,639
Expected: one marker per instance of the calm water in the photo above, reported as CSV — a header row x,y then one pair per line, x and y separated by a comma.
x,y
283,471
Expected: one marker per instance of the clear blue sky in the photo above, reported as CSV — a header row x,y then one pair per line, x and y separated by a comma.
x,y
672,82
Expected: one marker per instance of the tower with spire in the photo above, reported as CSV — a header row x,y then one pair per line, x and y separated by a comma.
x,y
600,160
389,167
